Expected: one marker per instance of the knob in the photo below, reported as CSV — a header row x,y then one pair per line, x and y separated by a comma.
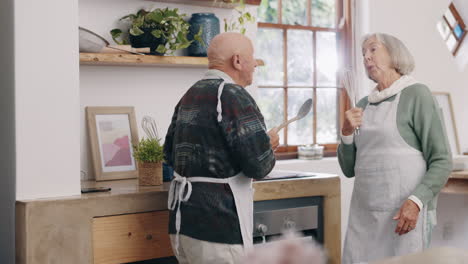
x,y
288,224
262,229
149,237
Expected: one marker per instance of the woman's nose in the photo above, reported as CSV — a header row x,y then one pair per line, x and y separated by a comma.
x,y
367,57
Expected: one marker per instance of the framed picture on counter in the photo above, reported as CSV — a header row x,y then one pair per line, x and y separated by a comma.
x,y
112,133
446,107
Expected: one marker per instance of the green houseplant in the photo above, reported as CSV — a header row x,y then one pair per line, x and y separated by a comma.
x,y
163,30
149,154
238,23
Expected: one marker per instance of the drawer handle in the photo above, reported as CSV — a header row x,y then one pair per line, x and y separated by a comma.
x,y
149,237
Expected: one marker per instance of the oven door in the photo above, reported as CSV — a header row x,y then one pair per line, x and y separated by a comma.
x,y
273,217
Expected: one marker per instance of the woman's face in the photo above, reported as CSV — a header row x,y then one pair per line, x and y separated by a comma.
x,y
376,59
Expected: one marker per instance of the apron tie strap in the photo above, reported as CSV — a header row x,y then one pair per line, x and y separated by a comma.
x,y
181,190
179,186
218,107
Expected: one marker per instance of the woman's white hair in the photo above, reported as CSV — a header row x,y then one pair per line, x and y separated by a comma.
x,y
401,57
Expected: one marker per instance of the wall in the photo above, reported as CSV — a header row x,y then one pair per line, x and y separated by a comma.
x,y
436,67
152,91
47,98
7,134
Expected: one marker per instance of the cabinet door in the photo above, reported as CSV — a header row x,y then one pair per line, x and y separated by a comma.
x,y
130,238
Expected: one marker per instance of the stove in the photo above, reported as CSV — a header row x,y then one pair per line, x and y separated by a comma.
x,y
304,214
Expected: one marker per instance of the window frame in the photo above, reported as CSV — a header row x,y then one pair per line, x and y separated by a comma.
x,y
459,21
344,47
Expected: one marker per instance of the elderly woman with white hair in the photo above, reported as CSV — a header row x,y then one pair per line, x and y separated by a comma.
x,y
400,158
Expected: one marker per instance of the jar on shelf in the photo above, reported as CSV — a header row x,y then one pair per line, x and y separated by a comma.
x,y
210,28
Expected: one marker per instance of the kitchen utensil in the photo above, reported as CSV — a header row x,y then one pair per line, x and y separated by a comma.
x,y
124,49
149,126
303,111
92,42
348,79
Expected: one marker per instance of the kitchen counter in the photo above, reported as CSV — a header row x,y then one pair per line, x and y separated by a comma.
x,y
58,230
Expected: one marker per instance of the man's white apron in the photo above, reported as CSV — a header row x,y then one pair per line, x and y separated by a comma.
x,y
241,186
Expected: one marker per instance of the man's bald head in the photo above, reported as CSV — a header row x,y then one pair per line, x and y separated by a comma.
x,y
225,45
232,53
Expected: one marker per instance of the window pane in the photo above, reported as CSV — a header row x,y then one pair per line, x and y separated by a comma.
x,y
443,28
300,58
270,49
327,59
450,18
268,11
299,132
294,12
323,13
271,104
451,42
458,31
327,115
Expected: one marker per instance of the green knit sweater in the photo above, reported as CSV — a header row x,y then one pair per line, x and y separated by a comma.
x,y
420,125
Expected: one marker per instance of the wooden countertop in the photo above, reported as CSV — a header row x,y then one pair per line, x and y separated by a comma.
x,y
457,183
66,221
265,190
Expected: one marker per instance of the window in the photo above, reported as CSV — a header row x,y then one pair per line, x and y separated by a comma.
x,y
298,40
452,29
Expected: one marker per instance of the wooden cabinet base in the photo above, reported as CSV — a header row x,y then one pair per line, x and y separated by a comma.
x,y
130,238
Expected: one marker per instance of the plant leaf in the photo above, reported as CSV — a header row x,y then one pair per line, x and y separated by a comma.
x,y
198,37
161,49
136,31
156,33
116,33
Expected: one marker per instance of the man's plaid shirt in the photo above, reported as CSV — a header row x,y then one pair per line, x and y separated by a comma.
x,y
197,145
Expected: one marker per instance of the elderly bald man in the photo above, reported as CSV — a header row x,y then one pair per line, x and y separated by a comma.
x,y
217,143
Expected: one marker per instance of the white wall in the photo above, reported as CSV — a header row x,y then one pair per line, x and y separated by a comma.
x,y
47,98
414,22
435,65
152,91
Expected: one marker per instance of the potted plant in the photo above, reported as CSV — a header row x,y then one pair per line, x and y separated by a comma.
x,y
163,30
149,154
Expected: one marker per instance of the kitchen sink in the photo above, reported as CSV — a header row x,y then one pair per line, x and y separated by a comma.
x,y
285,174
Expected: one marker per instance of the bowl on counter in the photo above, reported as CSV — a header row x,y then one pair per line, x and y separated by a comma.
x,y
310,152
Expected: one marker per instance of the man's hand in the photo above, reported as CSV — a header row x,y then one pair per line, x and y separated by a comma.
x,y
407,217
274,138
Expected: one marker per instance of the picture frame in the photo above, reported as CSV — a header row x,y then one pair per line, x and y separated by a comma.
x,y
445,103
112,134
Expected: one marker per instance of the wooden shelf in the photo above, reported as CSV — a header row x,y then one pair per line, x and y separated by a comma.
x,y
110,59
209,3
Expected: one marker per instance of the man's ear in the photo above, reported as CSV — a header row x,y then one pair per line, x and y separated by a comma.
x,y
236,62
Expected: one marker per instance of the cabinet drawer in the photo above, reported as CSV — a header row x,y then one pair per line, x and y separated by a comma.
x,y
130,238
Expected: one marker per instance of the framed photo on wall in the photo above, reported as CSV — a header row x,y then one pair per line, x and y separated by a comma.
x,y
112,133
446,107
